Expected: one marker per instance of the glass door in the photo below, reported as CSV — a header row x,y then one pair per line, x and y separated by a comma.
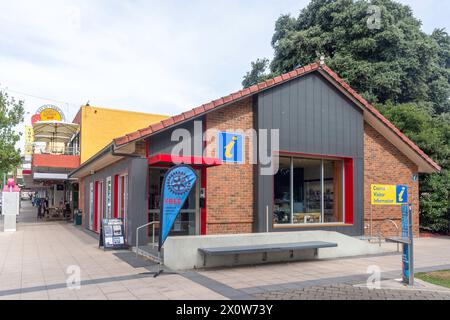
x,y
188,221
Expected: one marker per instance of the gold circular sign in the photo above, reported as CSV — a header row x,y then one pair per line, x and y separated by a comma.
x,y
50,115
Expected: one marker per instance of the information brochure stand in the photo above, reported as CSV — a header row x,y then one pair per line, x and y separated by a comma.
x,y
407,240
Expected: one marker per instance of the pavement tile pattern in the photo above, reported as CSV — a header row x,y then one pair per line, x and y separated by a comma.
x,y
34,264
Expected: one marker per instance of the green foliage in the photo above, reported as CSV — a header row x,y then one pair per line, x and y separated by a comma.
x,y
257,73
11,114
394,64
432,135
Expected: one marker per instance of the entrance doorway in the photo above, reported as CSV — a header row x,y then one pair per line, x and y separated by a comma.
x,y
188,221
98,205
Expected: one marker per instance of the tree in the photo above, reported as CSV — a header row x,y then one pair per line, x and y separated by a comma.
x,y
11,114
394,61
378,47
257,74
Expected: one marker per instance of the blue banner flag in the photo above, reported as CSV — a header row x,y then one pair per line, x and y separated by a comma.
x,y
177,185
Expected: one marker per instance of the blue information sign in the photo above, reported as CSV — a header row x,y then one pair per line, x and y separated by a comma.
x,y
402,194
178,183
231,147
406,259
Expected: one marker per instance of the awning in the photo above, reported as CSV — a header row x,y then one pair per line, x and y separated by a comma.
x,y
54,131
50,176
168,159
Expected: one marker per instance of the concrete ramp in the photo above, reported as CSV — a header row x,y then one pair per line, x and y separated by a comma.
x,y
181,253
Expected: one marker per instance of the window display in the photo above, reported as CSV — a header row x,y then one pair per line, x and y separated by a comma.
x,y
308,191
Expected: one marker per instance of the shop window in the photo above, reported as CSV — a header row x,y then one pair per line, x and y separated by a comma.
x,y
282,201
309,191
333,191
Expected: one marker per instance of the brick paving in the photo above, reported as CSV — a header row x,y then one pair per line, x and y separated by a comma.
x,y
34,262
345,291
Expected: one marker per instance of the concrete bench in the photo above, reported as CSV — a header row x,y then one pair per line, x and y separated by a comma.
x,y
264,249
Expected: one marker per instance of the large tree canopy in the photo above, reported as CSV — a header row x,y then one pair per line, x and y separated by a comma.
x,y
11,114
378,47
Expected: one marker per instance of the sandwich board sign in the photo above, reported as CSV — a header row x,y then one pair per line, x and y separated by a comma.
x,y
112,234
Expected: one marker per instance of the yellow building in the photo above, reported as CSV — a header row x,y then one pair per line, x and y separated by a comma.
x,y
99,126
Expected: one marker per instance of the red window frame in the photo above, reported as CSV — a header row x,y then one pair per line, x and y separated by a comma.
x,y
349,204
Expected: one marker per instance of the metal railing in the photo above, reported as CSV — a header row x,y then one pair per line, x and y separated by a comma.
x,y
153,223
380,234
67,151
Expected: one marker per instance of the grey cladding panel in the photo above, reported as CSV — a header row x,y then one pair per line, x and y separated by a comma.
x,y
313,118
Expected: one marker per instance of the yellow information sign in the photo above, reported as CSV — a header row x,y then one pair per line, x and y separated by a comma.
x,y
389,195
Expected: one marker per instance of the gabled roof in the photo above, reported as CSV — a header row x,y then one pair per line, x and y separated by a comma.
x,y
257,88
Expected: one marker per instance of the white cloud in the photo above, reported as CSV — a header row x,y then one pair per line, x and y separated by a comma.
x,y
152,56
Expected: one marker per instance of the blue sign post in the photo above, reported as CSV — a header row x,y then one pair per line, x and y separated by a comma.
x,y
177,185
407,235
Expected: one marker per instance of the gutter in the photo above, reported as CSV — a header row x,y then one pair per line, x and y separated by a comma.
x,y
109,149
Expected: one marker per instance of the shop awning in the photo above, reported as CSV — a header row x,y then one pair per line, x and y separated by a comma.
x,y
54,131
168,159
50,176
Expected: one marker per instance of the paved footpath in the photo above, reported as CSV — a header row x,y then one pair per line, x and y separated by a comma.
x,y
34,263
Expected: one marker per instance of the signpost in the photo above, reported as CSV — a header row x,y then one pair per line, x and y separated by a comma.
x,y
397,195
408,242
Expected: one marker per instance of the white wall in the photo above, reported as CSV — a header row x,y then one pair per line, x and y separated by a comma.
x,y
181,253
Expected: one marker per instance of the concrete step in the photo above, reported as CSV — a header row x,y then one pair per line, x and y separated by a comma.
x,y
150,253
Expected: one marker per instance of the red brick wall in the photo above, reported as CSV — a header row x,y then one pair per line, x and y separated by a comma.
x,y
385,164
230,187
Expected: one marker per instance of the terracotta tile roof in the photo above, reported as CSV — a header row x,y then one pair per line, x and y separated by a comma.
x,y
247,92
376,113
215,104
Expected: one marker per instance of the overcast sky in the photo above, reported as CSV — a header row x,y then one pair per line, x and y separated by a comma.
x,y
151,56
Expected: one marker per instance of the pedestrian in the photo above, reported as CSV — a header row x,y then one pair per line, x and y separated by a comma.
x,y
39,208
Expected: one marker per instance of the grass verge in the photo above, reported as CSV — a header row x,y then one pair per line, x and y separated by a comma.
x,y
440,278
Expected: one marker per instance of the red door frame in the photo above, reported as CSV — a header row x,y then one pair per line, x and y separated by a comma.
x,y
203,211
96,206
116,196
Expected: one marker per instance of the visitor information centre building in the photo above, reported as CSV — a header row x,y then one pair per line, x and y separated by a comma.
x,y
327,144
